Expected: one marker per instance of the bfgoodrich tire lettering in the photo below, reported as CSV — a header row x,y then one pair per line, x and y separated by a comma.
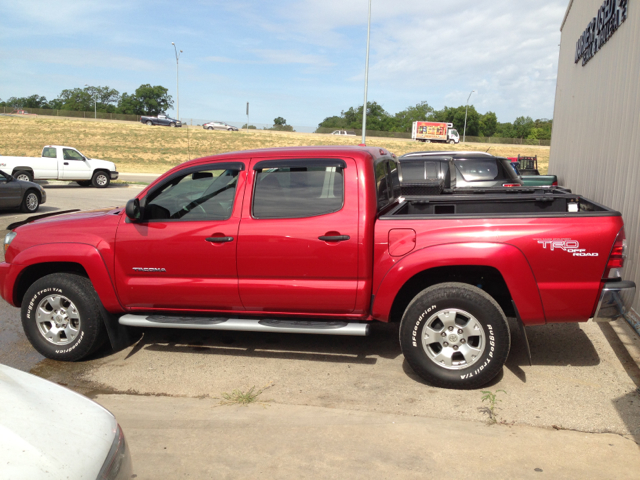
x,y
58,301
455,335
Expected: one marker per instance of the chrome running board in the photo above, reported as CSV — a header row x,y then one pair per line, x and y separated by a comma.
x,y
317,327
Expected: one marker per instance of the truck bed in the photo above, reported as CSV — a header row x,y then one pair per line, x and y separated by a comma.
x,y
498,202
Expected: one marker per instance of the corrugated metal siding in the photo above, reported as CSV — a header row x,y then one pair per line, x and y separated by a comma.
x,y
595,146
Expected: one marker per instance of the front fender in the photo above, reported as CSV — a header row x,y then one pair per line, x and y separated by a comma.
x,y
507,259
80,253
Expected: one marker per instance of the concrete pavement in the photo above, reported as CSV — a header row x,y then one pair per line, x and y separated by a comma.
x,y
198,438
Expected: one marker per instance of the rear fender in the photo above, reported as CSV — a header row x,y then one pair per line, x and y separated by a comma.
x,y
507,259
83,254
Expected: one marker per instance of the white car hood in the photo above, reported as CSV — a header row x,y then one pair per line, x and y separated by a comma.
x,y
96,163
50,432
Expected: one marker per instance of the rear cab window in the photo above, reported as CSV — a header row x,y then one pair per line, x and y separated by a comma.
x,y
297,188
387,181
49,152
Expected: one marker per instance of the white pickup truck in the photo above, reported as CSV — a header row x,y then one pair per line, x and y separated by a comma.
x,y
61,163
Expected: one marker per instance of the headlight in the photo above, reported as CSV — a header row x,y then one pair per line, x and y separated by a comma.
x,y
118,463
8,238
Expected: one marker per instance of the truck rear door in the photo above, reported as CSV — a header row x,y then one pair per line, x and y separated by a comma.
x,y
182,255
298,241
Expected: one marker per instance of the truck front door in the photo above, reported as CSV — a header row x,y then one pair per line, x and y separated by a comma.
x,y
299,237
74,165
182,254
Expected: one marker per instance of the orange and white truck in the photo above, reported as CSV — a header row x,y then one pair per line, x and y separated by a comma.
x,y
435,132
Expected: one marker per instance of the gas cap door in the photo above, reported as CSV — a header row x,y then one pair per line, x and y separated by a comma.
x,y
401,241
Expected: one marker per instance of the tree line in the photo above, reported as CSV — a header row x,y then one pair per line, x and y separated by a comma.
x,y
478,125
146,100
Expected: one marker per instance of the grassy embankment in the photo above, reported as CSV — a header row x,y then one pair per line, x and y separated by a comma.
x,y
135,147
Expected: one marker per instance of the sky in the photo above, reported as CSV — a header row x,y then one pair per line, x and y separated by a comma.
x,y
303,60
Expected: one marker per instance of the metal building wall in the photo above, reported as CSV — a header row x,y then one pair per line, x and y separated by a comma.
x,y
595,145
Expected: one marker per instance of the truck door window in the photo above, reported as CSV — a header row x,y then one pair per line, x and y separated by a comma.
x,y
201,195
69,154
49,152
297,191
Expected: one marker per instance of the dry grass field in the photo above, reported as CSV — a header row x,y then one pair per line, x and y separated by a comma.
x,y
135,147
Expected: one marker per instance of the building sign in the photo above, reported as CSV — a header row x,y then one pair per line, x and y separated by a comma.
x,y
610,16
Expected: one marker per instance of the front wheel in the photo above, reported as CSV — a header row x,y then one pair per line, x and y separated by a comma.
x,y
61,317
455,335
451,142
100,180
30,202
172,124
24,176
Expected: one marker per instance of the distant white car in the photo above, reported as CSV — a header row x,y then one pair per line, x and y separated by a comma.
x,y
50,432
219,126
342,132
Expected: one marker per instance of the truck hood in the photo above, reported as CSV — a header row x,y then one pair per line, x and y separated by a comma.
x,y
97,163
47,431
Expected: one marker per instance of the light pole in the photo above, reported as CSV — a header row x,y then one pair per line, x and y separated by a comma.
x,y
177,72
464,132
366,80
95,104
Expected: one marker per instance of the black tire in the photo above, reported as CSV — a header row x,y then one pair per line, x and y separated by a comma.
x,y
476,324
30,202
84,183
149,122
77,298
101,179
23,175
209,128
172,124
451,142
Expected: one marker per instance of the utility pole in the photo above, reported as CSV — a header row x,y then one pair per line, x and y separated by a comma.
x,y
464,132
247,116
177,75
366,81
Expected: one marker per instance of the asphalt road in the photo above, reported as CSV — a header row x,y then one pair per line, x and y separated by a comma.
x,y
584,377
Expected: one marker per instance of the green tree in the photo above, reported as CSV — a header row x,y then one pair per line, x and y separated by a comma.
x,y
34,101
335,122
251,127
488,124
76,99
420,112
456,116
146,100
522,127
280,124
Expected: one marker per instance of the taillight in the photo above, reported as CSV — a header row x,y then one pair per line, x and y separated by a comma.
x,y
617,256
510,184
554,184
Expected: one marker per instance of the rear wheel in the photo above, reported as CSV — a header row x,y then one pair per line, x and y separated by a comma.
x,y
23,175
149,122
30,202
100,179
209,128
455,335
61,317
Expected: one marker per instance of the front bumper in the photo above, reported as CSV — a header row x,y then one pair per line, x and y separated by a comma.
x,y
114,175
615,301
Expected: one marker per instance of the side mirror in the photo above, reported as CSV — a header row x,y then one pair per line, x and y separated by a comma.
x,y
133,210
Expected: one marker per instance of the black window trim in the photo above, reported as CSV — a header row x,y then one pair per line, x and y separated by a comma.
x,y
306,162
182,173
301,162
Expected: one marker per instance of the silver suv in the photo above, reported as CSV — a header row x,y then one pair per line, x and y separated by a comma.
x,y
457,170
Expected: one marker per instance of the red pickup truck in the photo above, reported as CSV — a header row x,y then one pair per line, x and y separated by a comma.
x,y
319,240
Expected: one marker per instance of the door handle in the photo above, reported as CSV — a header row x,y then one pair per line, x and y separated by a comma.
x,y
66,163
219,239
334,238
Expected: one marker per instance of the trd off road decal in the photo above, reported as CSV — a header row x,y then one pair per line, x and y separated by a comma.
x,y
565,244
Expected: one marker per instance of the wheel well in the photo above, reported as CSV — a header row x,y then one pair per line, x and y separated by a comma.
x,y
489,279
35,272
97,170
22,169
34,190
